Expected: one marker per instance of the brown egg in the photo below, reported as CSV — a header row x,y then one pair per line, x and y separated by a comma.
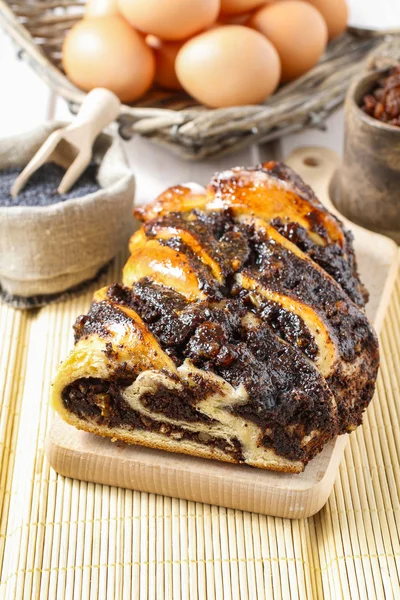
x,y
170,19
101,8
107,52
297,30
335,13
232,7
228,66
165,53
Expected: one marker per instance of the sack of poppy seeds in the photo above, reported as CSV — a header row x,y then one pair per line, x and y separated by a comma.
x,y
51,243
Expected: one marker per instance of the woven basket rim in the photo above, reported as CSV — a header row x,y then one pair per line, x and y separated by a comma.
x,y
196,131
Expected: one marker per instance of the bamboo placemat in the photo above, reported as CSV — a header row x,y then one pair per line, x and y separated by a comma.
x,y
62,538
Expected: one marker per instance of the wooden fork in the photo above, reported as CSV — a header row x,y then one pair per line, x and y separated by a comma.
x,y
71,146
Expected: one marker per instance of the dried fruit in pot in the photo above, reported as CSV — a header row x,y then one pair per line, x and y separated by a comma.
x,y
383,103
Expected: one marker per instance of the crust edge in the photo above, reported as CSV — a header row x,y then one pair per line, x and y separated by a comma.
x,y
154,440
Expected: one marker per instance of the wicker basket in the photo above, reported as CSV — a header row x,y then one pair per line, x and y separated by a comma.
x,y
38,27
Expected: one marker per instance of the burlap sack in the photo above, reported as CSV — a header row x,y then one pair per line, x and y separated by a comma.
x,y
46,250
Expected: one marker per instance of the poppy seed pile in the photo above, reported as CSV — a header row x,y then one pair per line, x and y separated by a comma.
x,y
41,188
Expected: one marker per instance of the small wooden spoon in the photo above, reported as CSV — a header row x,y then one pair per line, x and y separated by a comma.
x,y
71,146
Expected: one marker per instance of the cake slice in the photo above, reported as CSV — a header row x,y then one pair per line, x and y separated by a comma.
x,y
238,331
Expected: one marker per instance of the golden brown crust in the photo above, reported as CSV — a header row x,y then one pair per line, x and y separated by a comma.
x,y
177,198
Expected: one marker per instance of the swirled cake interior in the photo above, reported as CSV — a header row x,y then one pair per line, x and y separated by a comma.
x,y
238,332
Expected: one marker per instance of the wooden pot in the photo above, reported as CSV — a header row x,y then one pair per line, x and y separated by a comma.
x,y
367,189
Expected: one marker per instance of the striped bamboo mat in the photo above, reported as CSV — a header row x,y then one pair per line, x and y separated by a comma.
x,y
61,538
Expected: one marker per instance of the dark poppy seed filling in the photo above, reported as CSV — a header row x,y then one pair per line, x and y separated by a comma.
x,y
289,327
214,339
280,383
284,272
263,355
216,232
171,317
101,402
330,258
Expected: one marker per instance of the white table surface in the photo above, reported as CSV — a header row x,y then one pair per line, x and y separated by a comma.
x,y
25,101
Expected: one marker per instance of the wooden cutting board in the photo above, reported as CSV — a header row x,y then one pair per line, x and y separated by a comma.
x,y
85,456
